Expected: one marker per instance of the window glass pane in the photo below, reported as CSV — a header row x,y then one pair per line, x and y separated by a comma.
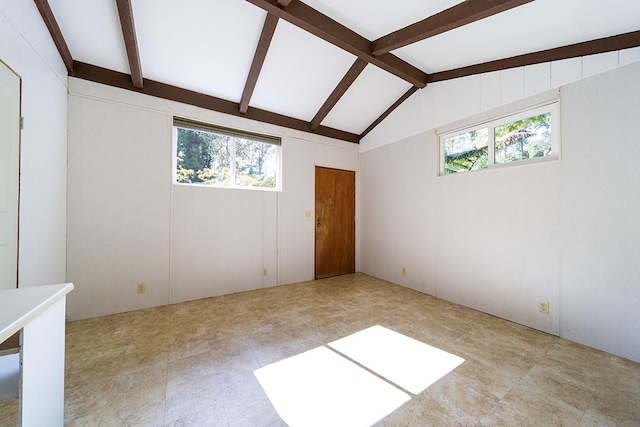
x,y
203,157
523,139
225,159
256,163
467,151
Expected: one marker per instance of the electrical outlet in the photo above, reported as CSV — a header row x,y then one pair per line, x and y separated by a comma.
x,y
404,271
142,288
543,307
264,271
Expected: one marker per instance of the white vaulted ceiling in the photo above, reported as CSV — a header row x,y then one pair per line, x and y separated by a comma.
x,y
208,46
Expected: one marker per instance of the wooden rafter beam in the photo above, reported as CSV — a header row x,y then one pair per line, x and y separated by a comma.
x,y
125,11
283,3
389,110
461,14
52,25
607,44
161,90
266,36
348,79
320,25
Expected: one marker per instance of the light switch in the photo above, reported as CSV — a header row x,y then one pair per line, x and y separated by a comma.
x,y
307,214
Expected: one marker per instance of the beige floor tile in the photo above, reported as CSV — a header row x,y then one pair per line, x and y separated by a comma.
x,y
195,366
189,397
9,413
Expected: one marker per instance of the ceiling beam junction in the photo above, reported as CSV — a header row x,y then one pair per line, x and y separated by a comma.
x,y
348,79
52,25
389,110
461,14
266,36
283,3
125,11
320,25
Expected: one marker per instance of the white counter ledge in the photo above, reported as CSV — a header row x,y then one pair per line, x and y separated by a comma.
x,y
20,306
39,313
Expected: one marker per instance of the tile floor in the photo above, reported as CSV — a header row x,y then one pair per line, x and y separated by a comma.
x,y
192,364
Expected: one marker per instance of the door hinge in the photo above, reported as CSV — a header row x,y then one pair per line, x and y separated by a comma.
x,y
21,123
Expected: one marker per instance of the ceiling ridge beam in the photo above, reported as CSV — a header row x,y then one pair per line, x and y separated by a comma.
x,y
125,12
172,93
456,16
55,32
348,79
320,25
269,28
592,47
389,110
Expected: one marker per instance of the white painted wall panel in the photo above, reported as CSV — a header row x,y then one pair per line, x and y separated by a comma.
x,y
600,207
25,45
501,241
628,56
537,78
566,71
511,85
596,64
440,100
435,96
453,100
471,96
118,207
399,213
490,91
217,241
121,221
497,241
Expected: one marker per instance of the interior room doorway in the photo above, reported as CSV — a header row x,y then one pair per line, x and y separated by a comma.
x,y
335,225
9,175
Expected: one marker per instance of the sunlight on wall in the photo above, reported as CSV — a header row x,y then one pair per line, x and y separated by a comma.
x,y
322,387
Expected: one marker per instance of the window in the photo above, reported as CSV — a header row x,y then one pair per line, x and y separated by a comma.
x,y
221,157
525,137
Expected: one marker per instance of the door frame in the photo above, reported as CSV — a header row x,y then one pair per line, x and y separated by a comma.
x,y
355,221
12,70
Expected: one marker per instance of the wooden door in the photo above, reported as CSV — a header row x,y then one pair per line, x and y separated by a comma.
x,y
335,222
9,175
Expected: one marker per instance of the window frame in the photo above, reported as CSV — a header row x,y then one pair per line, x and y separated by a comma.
x,y
183,123
551,107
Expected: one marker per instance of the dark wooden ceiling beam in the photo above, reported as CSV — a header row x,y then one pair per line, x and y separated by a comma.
x,y
389,110
283,3
125,11
52,25
348,79
461,14
161,90
266,36
309,19
607,44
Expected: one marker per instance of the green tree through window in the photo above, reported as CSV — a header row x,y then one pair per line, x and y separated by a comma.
x,y
225,159
524,136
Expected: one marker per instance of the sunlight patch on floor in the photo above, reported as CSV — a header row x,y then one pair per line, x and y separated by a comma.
x,y
322,387
404,361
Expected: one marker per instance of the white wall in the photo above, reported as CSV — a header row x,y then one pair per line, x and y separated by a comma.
x,y
127,224
502,240
26,47
449,101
